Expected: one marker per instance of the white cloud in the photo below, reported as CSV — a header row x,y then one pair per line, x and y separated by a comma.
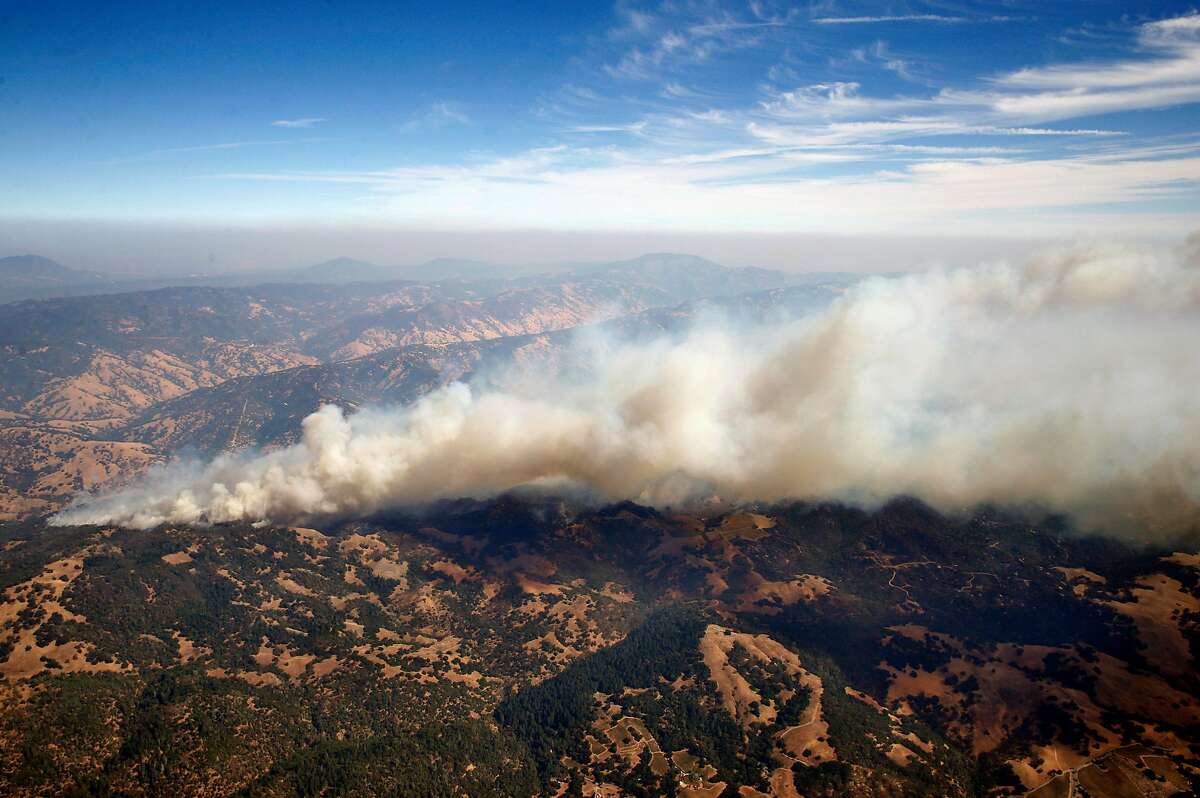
x,y
687,38
1167,74
303,122
1043,131
1175,44
439,114
889,18
1075,103
632,127
559,187
826,155
936,18
221,146
449,113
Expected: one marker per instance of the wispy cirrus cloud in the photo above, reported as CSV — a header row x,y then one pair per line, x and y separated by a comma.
x,y
1170,55
438,115
866,152
163,152
621,191
631,127
940,18
888,18
1166,72
879,53
673,39
1163,71
302,122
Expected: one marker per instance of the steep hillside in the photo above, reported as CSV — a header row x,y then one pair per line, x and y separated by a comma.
x,y
528,646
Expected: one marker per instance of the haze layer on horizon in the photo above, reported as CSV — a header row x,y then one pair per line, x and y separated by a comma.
x,y
142,250
136,137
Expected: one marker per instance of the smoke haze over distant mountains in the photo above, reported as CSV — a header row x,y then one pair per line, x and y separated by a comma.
x,y
1065,384
175,250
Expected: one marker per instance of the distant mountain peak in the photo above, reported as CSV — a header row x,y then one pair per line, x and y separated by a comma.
x,y
680,257
29,264
342,263
35,273
337,270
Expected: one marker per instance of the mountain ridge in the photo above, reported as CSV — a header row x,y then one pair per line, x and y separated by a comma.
x,y
58,281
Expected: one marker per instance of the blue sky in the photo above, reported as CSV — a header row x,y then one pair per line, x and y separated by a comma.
x,y
1007,118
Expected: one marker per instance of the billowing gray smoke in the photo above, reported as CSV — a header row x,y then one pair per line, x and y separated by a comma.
x,y
1071,383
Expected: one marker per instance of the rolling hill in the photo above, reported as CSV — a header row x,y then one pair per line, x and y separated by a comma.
x,y
529,646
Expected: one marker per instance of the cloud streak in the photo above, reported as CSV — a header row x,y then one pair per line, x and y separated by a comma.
x,y
924,186
302,123
668,44
1166,74
219,147
876,20
440,114
829,151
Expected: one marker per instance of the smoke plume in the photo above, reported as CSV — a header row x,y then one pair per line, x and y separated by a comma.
x,y
1071,383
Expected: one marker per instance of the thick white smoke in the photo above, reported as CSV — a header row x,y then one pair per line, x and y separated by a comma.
x,y
1071,383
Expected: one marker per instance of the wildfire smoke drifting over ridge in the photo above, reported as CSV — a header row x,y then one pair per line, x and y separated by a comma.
x,y
1068,383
